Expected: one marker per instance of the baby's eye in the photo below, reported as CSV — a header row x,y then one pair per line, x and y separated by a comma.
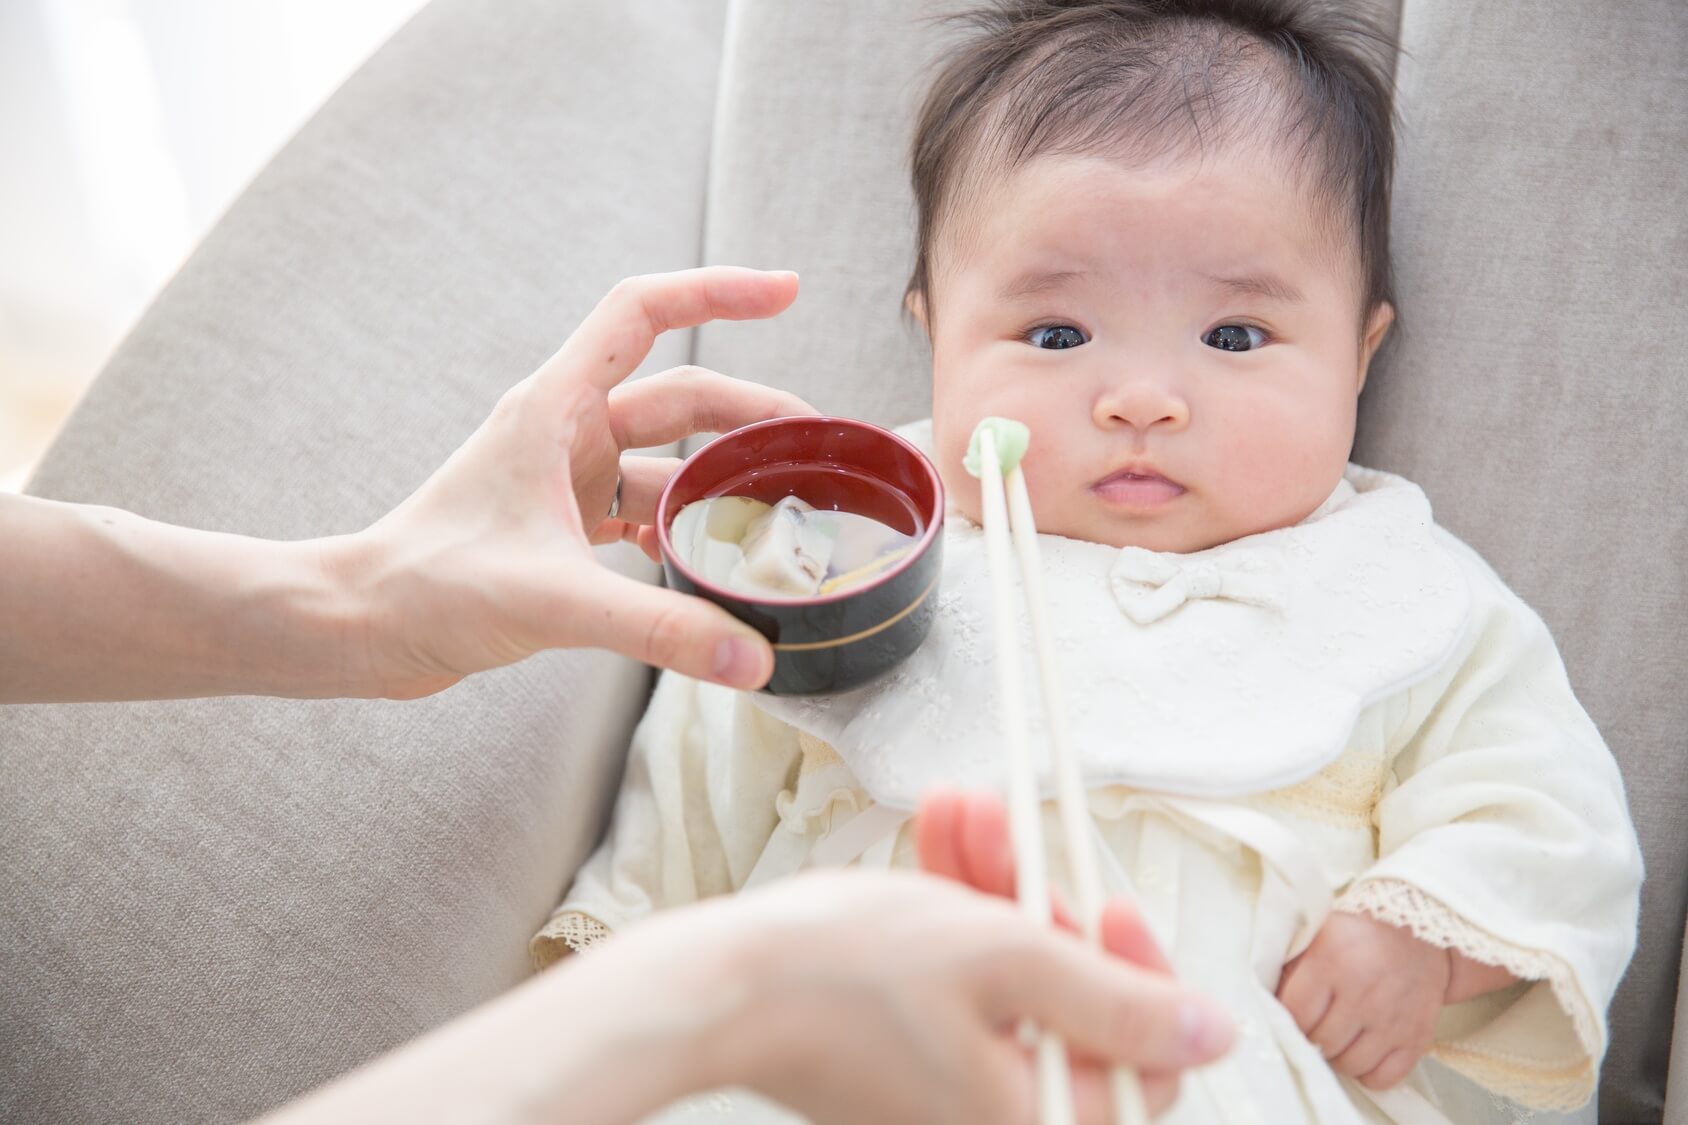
x,y
1235,338
1056,336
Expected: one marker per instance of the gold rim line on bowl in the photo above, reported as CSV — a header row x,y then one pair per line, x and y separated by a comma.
x,y
812,646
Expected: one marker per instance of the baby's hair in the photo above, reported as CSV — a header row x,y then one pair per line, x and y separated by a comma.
x,y
1141,79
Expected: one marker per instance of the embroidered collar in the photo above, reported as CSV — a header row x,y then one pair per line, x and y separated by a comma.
x,y
1227,671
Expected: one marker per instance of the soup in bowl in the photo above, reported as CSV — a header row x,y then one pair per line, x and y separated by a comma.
x,y
824,534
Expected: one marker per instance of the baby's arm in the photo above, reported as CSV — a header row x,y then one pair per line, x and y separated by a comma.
x,y
1367,994
1505,850
1469,979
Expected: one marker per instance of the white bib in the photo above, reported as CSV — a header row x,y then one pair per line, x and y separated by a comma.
x,y
1225,672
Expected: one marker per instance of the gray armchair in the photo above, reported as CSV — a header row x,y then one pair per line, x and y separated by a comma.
x,y
212,906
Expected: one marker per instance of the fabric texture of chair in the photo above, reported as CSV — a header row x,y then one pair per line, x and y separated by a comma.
x,y
1539,231
213,906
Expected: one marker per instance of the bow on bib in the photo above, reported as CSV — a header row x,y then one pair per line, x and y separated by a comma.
x,y
1148,585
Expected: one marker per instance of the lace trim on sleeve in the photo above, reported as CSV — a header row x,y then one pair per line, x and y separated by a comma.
x,y
1535,1082
568,931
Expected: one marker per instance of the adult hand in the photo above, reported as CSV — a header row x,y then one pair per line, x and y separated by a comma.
x,y
851,996
490,560
965,837
891,997
848,995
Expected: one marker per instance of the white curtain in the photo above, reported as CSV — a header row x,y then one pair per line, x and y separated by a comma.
x,y
129,126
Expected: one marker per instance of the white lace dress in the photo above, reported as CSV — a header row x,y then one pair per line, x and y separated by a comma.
x,y
1352,714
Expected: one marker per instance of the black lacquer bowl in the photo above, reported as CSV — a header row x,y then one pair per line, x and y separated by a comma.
x,y
843,640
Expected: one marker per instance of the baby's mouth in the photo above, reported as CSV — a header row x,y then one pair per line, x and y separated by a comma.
x,y
1138,488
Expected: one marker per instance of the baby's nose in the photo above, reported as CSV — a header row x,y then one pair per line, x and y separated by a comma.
x,y
1142,402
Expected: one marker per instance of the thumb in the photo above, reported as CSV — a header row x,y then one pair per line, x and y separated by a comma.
x,y
668,630
1117,1013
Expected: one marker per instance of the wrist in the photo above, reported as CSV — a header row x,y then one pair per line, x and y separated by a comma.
x,y
742,1039
292,623
393,604
723,1013
717,1038
348,565
377,623
676,1018
1469,978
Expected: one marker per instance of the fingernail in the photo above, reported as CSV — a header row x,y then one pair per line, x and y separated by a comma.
x,y
738,663
1205,1030
792,274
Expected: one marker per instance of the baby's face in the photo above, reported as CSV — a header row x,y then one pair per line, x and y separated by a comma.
x,y
1184,342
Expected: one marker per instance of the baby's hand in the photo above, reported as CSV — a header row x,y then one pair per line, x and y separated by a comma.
x,y
1367,994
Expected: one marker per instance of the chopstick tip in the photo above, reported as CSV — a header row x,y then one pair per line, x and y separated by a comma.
x,y
1008,436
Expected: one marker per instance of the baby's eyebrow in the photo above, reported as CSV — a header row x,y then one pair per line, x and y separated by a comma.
x,y
1034,282
1259,285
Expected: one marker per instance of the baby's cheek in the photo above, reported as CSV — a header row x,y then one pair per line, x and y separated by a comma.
x,y
961,490
1044,465
1054,481
1273,476
1044,472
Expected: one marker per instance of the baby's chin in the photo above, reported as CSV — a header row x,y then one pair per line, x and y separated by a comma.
x,y
1163,539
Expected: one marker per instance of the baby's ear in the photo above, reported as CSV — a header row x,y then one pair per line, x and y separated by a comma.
x,y
914,303
1377,327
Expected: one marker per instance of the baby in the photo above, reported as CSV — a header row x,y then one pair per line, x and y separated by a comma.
x,y
1332,757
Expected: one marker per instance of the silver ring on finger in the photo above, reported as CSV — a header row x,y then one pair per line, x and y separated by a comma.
x,y
615,504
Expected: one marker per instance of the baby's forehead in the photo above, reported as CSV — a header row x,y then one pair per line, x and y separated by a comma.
x,y
1248,203
1308,89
